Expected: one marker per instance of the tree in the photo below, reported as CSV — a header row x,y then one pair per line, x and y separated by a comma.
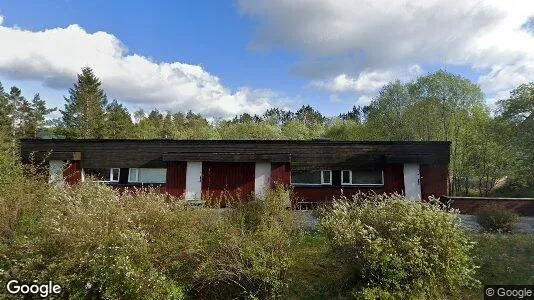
x,y
118,121
310,116
84,114
36,121
278,116
6,113
386,117
354,115
516,115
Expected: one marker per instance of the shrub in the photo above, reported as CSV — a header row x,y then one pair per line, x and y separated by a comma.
x,y
496,218
250,252
388,247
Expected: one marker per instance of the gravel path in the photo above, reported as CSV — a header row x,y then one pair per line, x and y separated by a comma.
x,y
526,224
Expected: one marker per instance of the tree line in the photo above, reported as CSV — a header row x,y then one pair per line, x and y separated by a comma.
x,y
492,151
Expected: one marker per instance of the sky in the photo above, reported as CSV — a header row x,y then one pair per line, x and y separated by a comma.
x,y
222,58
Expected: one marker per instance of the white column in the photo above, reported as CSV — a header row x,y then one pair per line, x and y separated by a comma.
x,y
56,171
193,181
412,182
262,180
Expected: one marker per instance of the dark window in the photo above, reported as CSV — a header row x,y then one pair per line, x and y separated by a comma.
x,y
361,177
345,176
97,174
305,177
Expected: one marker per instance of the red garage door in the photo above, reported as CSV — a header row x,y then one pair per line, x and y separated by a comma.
x,y
225,183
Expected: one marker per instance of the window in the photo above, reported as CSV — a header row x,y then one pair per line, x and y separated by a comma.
x,y
152,175
326,177
346,177
133,175
97,174
114,174
301,177
354,177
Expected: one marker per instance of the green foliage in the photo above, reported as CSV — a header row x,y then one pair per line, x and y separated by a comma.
x,y
252,251
504,258
388,247
118,121
84,114
99,244
496,218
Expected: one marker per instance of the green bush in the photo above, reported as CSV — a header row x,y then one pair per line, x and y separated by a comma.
x,y
250,253
97,243
496,218
388,247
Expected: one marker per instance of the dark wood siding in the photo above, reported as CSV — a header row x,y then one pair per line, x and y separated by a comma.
x,y
434,180
393,183
303,154
224,181
176,174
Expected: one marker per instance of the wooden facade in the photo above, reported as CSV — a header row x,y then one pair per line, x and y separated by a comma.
x,y
230,168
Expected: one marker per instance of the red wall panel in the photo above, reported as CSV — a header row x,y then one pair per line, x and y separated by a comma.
x,y
222,181
434,180
176,172
393,183
280,174
73,172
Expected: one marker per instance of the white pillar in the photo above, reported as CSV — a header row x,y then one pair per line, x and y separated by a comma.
x,y
193,181
412,182
262,179
55,171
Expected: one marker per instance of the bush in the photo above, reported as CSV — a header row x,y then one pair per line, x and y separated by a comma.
x,y
100,244
250,252
496,218
388,247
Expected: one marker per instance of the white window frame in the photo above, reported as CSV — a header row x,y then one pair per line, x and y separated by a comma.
x,y
322,177
313,184
360,184
111,175
130,175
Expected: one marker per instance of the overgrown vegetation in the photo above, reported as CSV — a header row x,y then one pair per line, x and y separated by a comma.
x,y
389,248
496,218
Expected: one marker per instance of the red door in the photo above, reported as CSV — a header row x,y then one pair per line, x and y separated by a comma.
x,y
224,183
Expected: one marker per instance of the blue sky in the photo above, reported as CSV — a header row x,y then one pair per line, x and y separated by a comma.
x,y
221,58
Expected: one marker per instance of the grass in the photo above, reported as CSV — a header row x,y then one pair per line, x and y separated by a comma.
x,y
502,258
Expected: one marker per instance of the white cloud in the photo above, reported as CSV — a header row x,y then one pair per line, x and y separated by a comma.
x,y
364,100
55,56
1,19
492,36
366,81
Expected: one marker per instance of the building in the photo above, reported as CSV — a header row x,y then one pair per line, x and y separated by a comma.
x,y
196,169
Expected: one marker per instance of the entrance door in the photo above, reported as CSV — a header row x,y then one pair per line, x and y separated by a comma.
x,y
412,182
223,182
193,180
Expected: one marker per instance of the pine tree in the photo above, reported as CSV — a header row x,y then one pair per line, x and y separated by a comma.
x,y
37,115
84,114
118,120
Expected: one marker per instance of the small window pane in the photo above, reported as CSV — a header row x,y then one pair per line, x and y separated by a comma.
x,y
367,177
115,174
327,176
134,173
306,177
345,176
